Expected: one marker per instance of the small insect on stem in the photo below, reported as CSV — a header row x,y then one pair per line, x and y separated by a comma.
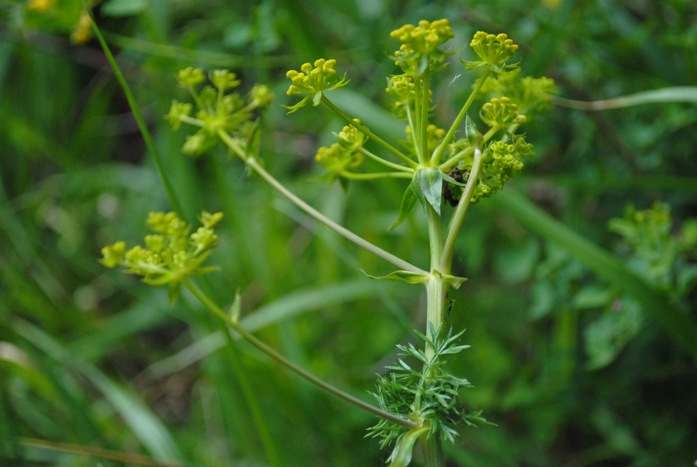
x,y
452,193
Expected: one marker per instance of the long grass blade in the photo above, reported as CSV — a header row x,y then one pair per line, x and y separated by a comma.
x,y
686,94
147,138
144,425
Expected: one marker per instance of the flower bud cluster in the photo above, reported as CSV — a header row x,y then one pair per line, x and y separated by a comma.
x,y
345,153
170,254
312,80
500,112
419,45
501,162
527,93
219,109
493,49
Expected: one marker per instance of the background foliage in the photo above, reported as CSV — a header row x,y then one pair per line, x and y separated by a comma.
x,y
573,369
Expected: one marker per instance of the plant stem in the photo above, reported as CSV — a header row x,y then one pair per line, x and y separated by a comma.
x,y
423,120
341,230
140,121
432,449
435,287
459,214
273,354
435,299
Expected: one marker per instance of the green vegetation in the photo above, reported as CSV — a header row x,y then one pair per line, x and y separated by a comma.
x,y
579,305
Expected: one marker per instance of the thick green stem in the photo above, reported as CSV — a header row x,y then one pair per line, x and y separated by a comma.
x,y
459,214
435,300
432,449
435,287
249,337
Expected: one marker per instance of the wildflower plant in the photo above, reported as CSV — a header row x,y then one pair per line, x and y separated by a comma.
x,y
418,400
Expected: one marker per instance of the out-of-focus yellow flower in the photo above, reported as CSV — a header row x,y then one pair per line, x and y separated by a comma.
x,y
41,5
83,31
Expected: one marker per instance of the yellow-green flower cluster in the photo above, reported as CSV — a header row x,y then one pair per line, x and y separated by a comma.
x,y
527,93
500,163
424,38
312,80
170,254
345,153
500,112
219,112
401,88
419,43
493,49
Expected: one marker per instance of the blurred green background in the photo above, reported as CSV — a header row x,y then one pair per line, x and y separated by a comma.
x,y
574,369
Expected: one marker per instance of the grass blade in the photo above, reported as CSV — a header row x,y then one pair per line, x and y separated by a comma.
x,y
656,96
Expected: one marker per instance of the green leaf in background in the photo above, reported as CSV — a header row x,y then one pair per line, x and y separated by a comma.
x,y
606,336
674,321
119,8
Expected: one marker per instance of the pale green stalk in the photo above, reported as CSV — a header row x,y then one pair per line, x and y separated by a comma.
x,y
375,175
425,88
254,165
459,214
389,164
431,444
271,353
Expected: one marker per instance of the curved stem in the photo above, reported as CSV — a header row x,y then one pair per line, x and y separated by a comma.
x,y
273,354
254,165
340,229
